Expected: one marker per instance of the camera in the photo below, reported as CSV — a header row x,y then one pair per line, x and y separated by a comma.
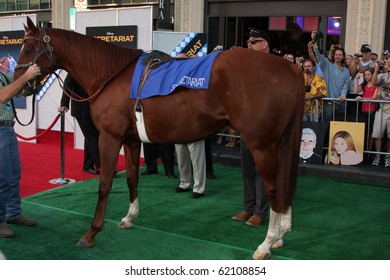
x,y
276,51
317,35
358,55
307,88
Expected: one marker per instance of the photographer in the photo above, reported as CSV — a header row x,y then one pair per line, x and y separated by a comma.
x,y
361,61
315,87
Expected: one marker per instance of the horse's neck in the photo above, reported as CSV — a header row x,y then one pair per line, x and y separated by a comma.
x,y
91,62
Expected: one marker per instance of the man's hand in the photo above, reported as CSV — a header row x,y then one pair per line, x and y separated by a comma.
x,y
32,72
63,109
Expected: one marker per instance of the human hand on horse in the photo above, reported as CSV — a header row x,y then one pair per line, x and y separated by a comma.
x,y
63,109
32,72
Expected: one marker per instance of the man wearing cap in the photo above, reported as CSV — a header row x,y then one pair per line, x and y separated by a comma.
x,y
256,202
360,64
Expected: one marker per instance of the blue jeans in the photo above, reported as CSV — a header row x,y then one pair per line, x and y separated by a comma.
x,y
10,172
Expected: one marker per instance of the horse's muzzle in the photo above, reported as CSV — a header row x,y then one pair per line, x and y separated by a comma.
x,y
26,91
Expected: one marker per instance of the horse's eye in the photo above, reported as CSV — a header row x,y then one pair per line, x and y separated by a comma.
x,y
28,50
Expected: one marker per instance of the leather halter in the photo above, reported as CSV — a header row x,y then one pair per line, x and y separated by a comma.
x,y
43,47
43,40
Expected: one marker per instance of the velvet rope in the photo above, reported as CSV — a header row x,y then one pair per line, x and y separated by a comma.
x,y
40,134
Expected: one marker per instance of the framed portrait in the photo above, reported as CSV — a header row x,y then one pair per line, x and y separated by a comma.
x,y
346,143
312,143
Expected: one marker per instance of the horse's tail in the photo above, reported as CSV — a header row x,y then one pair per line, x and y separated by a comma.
x,y
288,156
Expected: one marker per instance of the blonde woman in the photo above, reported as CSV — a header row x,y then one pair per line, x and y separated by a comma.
x,y
343,150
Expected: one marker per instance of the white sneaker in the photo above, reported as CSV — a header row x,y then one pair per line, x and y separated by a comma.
x,y
377,160
387,161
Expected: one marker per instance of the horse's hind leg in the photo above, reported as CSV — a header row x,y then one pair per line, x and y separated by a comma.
x,y
279,225
132,167
285,226
263,252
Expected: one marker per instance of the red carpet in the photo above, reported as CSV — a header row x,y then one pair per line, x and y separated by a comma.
x,y
42,162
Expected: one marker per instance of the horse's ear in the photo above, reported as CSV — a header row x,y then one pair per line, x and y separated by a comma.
x,y
30,25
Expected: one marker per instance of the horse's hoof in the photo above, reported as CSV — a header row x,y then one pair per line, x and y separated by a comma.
x,y
278,244
258,255
84,244
125,225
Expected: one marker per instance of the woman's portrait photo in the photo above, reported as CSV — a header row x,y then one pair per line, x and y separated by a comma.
x,y
343,150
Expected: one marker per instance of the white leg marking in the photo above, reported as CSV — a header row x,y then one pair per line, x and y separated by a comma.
x,y
263,251
285,226
128,221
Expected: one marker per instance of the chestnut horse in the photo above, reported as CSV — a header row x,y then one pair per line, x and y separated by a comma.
x,y
260,95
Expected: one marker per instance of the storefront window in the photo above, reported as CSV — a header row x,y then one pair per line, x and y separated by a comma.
x,y
2,5
22,5
34,4
45,4
11,6
289,34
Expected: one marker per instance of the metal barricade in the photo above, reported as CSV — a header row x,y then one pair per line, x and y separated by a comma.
x,y
356,118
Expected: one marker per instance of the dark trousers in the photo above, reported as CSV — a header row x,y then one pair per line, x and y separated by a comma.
x,y
209,157
165,151
91,143
255,195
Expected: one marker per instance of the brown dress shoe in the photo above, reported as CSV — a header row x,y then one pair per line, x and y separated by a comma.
x,y
254,221
22,221
242,217
5,232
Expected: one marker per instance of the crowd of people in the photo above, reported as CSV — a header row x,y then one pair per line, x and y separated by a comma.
x,y
339,76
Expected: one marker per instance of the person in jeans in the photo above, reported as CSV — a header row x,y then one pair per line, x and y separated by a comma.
x,y
10,168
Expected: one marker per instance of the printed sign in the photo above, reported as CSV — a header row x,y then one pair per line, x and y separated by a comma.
x,y
11,42
192,44
123,36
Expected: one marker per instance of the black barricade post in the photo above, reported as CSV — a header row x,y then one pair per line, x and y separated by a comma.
x,y
62,180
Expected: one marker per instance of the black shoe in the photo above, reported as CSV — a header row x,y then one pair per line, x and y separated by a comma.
x,y
179,190
171,175
197,195
147,172
92,171
210,175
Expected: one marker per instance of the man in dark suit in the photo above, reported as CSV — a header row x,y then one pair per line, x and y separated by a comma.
x,y
81,111
152,152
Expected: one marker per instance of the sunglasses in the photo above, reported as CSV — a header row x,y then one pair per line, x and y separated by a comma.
x,y
252,42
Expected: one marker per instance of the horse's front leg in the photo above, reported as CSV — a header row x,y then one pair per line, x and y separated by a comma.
x,y
132,152
109,152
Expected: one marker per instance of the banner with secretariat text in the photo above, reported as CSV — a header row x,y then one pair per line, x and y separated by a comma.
x,y
123,35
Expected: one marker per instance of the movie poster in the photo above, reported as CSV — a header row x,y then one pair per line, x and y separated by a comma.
x,y
346,143
11,42
123,36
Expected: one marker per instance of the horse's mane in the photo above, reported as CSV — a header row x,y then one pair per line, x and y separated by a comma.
x,y
99,58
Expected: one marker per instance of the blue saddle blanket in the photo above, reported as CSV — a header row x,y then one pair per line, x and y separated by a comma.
x,y
191,73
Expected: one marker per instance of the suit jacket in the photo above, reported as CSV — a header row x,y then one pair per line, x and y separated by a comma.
x,y
78,109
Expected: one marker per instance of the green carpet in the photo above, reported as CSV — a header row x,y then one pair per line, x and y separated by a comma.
x,y
331,221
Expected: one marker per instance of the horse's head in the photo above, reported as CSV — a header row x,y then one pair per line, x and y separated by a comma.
x,y
37,49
